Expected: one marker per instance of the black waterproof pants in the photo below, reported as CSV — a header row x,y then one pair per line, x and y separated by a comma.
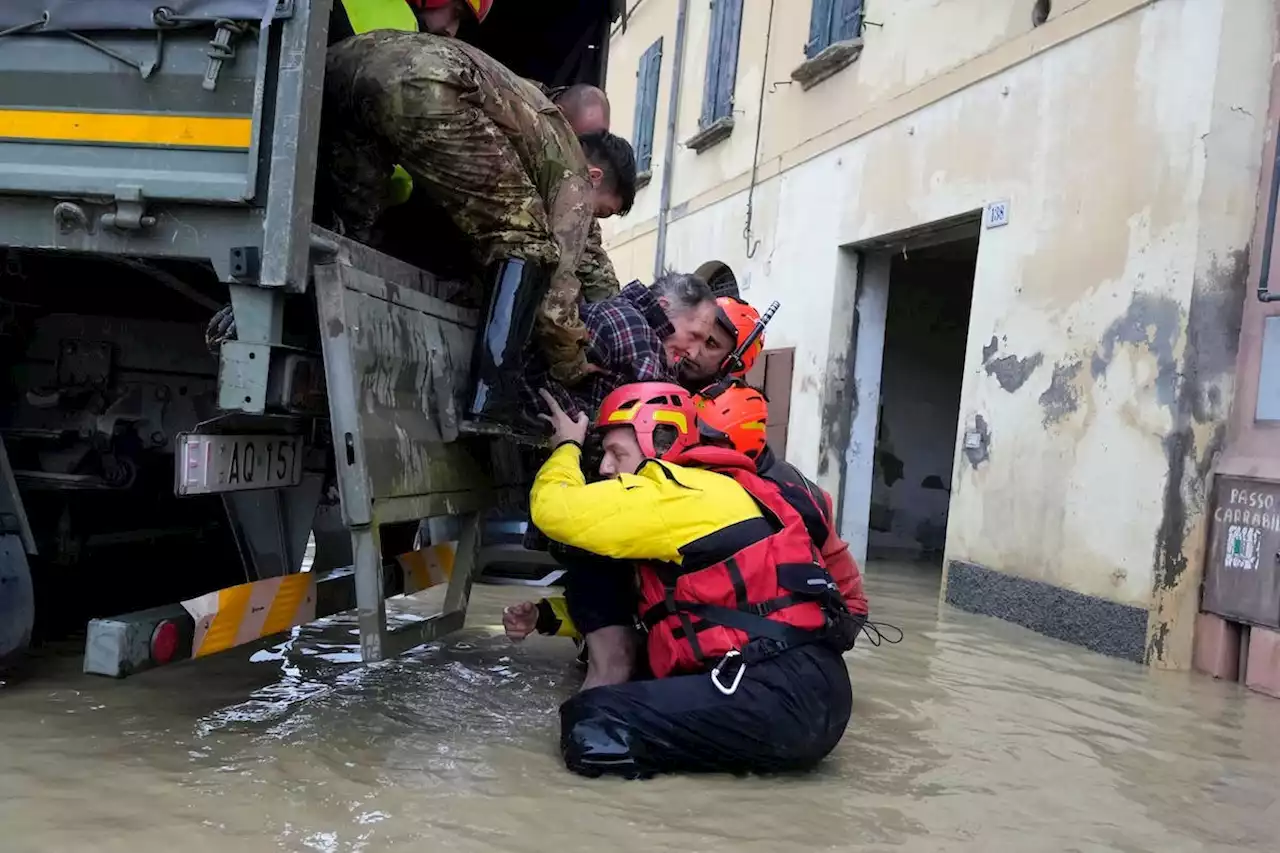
x,y
786,715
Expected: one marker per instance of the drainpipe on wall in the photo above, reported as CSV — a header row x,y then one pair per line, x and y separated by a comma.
x,y
1265,293
669,149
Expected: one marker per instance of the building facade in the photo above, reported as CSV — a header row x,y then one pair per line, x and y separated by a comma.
x,y
1011,242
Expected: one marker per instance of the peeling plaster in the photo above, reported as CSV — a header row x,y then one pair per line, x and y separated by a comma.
x,y
1207,366
1153,322
1013,372
1062,397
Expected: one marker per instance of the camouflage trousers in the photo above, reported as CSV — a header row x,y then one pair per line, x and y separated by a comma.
x,y
456,153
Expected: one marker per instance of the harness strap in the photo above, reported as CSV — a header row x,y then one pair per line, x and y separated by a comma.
x,y
675,607
750,623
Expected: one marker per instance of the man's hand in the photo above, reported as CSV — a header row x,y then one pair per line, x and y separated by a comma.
x,y
563,427
520,620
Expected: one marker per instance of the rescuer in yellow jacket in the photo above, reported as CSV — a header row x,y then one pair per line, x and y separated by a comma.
x,y
745,626
640,512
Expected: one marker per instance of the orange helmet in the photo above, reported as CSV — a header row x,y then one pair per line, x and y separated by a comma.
x,y
480,8
738,319
733,411
645,406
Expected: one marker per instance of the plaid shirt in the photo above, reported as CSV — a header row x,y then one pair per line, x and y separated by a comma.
x,y
625,336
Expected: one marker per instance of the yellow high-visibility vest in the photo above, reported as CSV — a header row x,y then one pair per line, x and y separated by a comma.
x,y
366,15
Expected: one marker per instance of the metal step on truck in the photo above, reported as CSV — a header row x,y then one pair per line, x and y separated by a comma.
x,y
157,161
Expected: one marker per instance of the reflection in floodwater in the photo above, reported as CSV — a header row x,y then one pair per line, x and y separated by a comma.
x,y
971,735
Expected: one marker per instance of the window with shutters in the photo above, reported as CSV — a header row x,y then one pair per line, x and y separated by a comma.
x,y
772,374
716,120
646,107
835,40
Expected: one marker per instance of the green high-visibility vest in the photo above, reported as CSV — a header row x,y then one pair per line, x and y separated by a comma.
x,y
366,15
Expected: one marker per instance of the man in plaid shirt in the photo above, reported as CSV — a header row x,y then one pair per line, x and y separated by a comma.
x,y
637,336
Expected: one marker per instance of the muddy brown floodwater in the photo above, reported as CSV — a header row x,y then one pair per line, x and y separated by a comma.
x,y
971,735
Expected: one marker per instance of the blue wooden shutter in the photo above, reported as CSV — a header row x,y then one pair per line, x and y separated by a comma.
x,y
730,19
848,20
646,105
712,82
820,19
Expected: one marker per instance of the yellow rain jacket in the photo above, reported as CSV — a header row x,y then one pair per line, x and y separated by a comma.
x,y
649,515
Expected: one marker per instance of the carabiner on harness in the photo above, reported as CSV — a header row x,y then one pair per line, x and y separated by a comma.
x,y
737,677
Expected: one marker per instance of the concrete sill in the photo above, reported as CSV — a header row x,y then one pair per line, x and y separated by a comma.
x,y
643,178
833,58
715,132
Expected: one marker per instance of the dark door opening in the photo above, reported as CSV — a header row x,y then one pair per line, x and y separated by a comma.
x,y
926,327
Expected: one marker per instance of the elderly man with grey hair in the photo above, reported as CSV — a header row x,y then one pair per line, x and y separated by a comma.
x,y
640,335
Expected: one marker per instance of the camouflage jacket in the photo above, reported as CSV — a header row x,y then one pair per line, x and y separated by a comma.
x,y
546,143
411,69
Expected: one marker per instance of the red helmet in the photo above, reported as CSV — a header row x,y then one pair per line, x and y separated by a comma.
x,y
735,412
480,8
645,406
738,319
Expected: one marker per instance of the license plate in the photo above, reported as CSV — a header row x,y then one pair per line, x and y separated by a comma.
x,y
208,464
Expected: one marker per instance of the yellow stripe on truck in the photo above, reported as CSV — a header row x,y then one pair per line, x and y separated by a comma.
x,y
429,567
240,614
176,131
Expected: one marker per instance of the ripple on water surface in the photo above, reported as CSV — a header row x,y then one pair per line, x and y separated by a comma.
x,y
971,735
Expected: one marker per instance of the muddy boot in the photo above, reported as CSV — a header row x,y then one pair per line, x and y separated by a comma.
x,y
517,289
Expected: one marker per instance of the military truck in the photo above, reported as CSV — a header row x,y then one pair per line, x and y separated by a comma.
x,y
157,161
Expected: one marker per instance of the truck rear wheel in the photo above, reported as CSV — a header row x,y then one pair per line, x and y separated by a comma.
x,y
17,599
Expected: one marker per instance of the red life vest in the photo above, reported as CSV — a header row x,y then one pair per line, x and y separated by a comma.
x,y
759,578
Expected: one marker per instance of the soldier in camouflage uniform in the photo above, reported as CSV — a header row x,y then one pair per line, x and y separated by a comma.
x,y
587,109
502,160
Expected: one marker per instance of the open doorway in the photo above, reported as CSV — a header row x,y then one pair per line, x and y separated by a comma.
x,y
926,325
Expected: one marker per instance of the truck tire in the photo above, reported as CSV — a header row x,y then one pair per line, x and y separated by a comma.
x,y
17,599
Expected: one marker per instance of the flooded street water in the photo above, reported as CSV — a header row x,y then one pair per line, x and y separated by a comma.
x,y
972,734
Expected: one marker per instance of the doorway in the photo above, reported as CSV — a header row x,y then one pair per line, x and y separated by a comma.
x,y
913,308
